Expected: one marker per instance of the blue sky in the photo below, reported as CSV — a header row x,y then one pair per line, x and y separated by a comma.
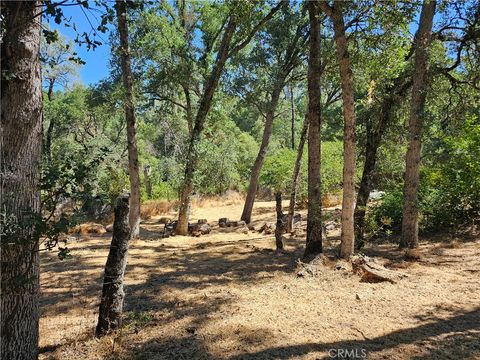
x,y
97,61
96,67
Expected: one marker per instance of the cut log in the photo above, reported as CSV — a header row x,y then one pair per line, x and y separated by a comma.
x,y
222,222
205,229
199,228
372,272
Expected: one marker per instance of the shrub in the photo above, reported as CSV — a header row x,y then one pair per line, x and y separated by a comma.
x,y
164,190
449,194
277,170
452,196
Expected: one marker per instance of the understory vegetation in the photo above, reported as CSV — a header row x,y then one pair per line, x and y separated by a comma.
x,y
339,128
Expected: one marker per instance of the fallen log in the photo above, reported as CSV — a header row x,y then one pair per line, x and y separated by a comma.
x,y
372,272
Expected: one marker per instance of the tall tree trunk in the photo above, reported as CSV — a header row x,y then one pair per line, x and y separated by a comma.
x,y
415,122
292,109
133,171
346,77
295,175
20,158
51,125
280,225
262,152
209,90
289,63
375,131
314,216
371,148
111,304
205,103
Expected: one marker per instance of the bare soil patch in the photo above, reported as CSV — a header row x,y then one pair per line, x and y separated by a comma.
x,y
230,296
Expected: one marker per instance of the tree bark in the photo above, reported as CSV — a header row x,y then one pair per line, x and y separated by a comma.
x,y
188,106
20,158
415,123
292,109
148,181
262,152
51,124
371,148
375,131
346,78
295,175
314,216
280,225
133,170
111,304
223,53
205,103
289,63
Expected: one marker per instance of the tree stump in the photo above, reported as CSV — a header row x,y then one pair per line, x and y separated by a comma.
x,y
111,304
372,272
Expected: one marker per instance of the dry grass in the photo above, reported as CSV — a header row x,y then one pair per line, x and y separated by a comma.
x,y
331,200
152,208
88,228
230,296
328,201
230,198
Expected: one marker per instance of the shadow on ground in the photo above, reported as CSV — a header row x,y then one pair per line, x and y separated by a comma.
x,y
456,337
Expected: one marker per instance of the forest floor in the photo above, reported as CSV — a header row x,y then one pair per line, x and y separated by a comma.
x,y
230,296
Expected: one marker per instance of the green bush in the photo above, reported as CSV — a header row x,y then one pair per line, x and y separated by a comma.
x,y
453,183
389,210
449,193
277,170
112,183
164,190
332,166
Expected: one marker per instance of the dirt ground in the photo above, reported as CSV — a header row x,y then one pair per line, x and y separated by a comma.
x,y
230,296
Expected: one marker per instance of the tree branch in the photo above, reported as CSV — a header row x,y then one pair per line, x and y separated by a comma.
x,y
239,46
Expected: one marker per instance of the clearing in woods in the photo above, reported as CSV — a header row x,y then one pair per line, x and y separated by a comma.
x,y
229,296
